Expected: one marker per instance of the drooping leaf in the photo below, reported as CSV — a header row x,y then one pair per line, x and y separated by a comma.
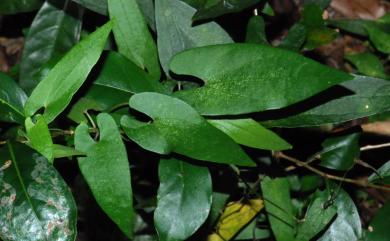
x,y
215,8
39,137
18,6
276,194
176,32
132,35
52,33
67,76
340,152
12,99
255,31
371,97
380,225
367,64
177,127
184,199
36,203
250,133
244,78
235,216
60,151
106,170
382,175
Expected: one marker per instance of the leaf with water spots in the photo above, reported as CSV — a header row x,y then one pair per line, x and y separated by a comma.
x,y
36,203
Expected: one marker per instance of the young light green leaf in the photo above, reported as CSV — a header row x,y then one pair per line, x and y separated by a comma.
x,y
132,35
57,89
177,127
340,152
36,203
12,99
39,137
245,78
18,6
367,64
255,31
250,133
52,33
176,32
380,224
276,194
382,175
183,189
215,8
107,172
60,151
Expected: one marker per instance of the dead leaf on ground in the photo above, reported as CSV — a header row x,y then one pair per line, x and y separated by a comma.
x,y
364,9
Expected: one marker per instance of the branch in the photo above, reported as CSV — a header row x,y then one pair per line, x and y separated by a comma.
x,y
372,147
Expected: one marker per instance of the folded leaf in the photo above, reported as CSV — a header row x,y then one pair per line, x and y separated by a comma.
x,y
39,137
245,78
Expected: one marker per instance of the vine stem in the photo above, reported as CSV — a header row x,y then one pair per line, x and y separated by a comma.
x,y
329,176
372,147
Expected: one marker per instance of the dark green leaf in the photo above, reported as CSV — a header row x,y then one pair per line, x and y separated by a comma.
x,y
367,64
355,26
268,10
379,36
176,32
323,4
295,38
107,172
12,99
67,76
215,8
177,127
36,203
184,199
52,33
372,96
18,6
251,232
340,153
219,201
39,136
250,133
99,6
380,225
276,194
244,78
255,31
132,35
382,175
317,37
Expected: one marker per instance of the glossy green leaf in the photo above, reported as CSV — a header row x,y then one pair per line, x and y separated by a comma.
x,y
52,33
184,199
295,38
255,31
215,8
347,225
276,194
250,133
107,172
317,217
380,225
244,78
382,176
176,32
367,64
372,96
60,151
177,127
18,6
67,76
340,152
39,136
132,35
99,6
219,201
12,99
36,203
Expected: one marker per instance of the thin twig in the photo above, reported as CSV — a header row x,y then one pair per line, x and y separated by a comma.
x,y
366,165
372,147
330,176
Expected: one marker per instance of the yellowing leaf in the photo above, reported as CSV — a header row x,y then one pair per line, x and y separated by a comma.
x,y
235,216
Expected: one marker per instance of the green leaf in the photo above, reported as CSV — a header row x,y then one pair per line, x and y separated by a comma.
x,y
255,31
99,6
60,151
323,4
219,201
12,99
176,32
340,152
250,133
177,127
107,172
53,32
39,136
317,217
36,203
184,199
382,176
372,96
355,26
347,225
215,8
18,6
276,194
379,35
67,76
252,232
367,64
132,35
380,225
295,38
244,78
